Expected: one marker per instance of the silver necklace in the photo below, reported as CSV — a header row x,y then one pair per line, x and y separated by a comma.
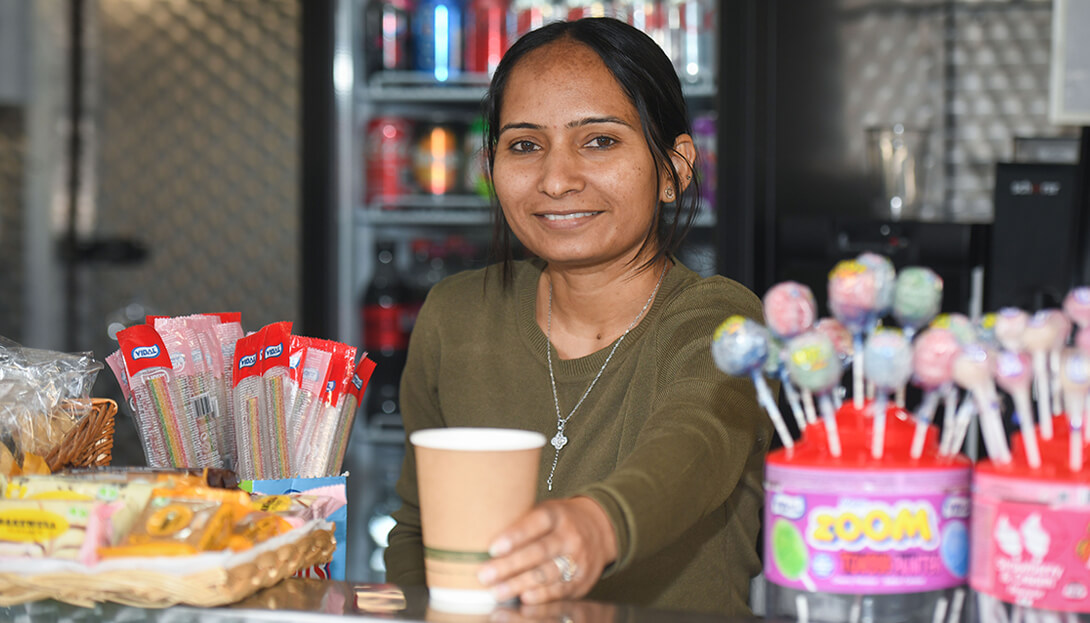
x,y
559,440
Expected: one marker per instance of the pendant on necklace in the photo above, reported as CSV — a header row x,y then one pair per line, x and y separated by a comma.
x,y
559,440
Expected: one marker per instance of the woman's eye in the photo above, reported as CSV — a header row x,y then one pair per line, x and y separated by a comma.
x,y
601,142
523,146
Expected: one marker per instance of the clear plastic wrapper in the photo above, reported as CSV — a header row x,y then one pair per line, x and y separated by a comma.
x,y
357,386
276,380
319,436
196,390
249,401
313,374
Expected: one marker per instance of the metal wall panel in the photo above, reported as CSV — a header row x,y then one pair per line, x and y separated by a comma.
x,y
197,156
12,163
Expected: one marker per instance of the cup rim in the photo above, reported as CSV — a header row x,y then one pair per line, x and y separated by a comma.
x,y
477,439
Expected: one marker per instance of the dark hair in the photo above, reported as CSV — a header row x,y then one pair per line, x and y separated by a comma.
x,y
649,79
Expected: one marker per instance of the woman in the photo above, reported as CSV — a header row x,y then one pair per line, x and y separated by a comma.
x,y
651,483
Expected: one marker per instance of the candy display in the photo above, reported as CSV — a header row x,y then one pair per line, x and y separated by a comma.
x,y
267,405
869,514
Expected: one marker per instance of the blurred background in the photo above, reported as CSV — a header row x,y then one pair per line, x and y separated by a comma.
x,y
307,160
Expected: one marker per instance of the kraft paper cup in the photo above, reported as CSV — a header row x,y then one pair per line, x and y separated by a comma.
x,y
473,483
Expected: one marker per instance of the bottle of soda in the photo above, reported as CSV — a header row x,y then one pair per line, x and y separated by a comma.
x,y
486,35
527,15
389,145
384,333
386,35
437,37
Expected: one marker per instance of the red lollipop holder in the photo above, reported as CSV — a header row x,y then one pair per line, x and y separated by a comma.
x,y
1031,528
854,524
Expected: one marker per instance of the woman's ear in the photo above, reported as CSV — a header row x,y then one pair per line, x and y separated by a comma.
x,y
683,157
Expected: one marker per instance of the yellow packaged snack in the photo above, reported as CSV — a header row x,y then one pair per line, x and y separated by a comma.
x,y
132,495
64,529
170,526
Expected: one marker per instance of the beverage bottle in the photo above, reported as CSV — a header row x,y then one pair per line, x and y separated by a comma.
x,y
437,159
693,25
437,37
486,35
650,17
388,159
387,35
475,160
528,15
705,140
385,334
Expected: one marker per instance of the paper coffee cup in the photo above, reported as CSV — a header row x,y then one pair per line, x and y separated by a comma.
x,y
473,483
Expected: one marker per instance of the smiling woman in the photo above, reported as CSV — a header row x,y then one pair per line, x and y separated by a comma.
x,y
650,491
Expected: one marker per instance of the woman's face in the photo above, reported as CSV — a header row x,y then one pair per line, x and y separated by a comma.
x,y
572,171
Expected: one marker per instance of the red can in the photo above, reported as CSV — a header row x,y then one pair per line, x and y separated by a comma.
x,y
486,39
389,158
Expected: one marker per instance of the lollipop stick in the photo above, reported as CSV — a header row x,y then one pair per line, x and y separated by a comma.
x,y
792,398
1054,376
923,416
962,419
957,602
1024,408
949,415
1040,381
857,373
764,396
828,416
1074,408
808,403
899,398
802,609
991,426
940,610
878,442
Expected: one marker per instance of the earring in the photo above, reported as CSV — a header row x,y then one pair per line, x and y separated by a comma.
x,y
669,192
688,177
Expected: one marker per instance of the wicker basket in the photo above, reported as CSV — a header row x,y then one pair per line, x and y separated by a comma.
x,y
135,585
90,443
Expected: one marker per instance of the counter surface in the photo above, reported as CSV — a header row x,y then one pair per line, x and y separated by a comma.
x,y
304,601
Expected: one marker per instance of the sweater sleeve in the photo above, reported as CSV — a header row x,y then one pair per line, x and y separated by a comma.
x,y
419,403
701,438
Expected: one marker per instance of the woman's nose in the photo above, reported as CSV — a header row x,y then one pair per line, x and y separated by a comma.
x,y
561,173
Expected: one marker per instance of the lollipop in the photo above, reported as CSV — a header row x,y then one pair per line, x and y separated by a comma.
x,y
985,331
1077,306
1038,338
933,357
740,348
811,361
889,365
958,428
853,300
1010,323
973,371
1013,374
789,553
789,309
885,279
842,342
959,325
1075,377
917,298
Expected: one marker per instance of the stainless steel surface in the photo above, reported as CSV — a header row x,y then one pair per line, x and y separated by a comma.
x,y
302,601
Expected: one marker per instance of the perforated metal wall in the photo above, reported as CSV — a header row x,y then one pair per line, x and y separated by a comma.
x,y
197,136
12,157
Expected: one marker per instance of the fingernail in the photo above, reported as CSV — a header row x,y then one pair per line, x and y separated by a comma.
x,y
500,547
486,575
501,593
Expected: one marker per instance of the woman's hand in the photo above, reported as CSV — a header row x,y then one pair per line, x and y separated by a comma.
x,y
556,551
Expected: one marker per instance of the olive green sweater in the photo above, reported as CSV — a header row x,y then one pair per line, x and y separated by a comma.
x,y
670,447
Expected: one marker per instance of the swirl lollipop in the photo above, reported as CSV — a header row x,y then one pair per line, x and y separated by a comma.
x,y
789,309
959,325
885,280
1075,377
889,365
1010,323
1038,338
933,357
740,348
811,361
853,300
842,342
973,371
1013,373
1077,306
917,298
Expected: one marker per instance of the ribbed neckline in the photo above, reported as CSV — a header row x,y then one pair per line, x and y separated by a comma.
x,y
526,281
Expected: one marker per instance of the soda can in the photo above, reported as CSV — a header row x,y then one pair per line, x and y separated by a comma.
x,y
387,35
388,146
436,159
533,14
437,37
486,35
